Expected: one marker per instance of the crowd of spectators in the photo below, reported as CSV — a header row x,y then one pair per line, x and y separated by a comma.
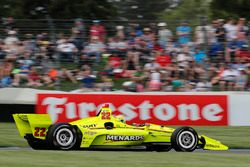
x,y
211,56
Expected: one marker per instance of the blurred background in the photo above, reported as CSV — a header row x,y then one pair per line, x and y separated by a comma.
x,y
110,45
132,46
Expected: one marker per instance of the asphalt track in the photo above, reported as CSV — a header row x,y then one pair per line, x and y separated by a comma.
x,y
237,151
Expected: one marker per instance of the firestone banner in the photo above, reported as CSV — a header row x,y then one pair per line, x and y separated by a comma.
x,y
211,110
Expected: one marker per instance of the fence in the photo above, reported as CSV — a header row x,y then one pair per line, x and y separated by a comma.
x,y
50,30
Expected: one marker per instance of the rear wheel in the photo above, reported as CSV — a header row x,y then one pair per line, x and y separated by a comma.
x,y
184,139
62,136
36,144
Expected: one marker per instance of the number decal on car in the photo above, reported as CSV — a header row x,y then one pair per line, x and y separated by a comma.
x,y
106,115
39,132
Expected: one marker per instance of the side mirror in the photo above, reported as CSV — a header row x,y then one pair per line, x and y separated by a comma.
x,y
109,125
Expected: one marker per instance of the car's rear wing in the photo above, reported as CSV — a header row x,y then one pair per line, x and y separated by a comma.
x,y
35,124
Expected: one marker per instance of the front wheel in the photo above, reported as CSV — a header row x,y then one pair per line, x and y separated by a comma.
x,y
184,139
62,136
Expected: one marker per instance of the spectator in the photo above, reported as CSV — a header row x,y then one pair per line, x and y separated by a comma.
x,y
29,43
106,83
120,32
117,46
231,49
66,50
148,37
21,75
241,80
183,59
34,79
114,66
12,38
228,78
66,74
151,65
6,81
155,83
2,50
164,34
87,79
183,32
242,30
162,59
50,77
130,64
203,34
203,86
94,48
5,76
213,38
139,79
199,55
220,32
98,30
78,31
231,30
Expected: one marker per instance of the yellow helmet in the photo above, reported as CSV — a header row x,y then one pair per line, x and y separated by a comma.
x,y
120,118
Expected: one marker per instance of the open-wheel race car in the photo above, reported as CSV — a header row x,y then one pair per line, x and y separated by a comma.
x,y
106,130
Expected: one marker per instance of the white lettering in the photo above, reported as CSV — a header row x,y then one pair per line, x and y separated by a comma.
x,y
210,112
124,138
71,111
144,110
164,112
85,108
53,110
128,111
190,111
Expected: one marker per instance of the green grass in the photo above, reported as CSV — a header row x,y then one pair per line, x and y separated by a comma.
x,y
234,137
24,158
237,137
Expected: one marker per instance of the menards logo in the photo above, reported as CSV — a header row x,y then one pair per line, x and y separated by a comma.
x,y
124,138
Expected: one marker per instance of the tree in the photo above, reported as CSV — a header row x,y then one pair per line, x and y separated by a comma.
x,y
59,9
189,10
141,9
230,8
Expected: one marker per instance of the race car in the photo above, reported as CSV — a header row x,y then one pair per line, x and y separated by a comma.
x,y
105,130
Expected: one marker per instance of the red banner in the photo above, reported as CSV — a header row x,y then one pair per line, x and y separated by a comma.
x,y
157,109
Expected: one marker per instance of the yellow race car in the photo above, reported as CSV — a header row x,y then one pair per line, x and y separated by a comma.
x,y
106,130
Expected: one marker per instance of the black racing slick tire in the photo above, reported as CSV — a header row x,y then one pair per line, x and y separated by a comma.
x,y
34,143
184,139
62,136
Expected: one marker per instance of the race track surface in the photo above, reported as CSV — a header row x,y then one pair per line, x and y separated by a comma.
x,y
237,151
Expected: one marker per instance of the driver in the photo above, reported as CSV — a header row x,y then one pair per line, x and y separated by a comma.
x,y
120,118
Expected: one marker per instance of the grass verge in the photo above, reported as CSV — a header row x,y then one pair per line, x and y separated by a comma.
x,y
24,158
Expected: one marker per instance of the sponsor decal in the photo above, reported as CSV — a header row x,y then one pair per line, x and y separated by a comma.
x,y
158,109
89,126
124,138
213,146
90,133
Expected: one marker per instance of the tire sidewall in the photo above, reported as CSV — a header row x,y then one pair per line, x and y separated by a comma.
x,y
175,139
53,132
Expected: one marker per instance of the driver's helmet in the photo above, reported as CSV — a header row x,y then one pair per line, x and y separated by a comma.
x,y
120,118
